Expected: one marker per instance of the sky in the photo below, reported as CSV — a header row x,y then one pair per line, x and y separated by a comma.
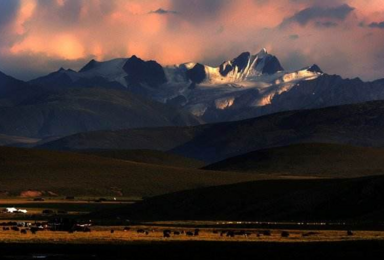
x,y
344,37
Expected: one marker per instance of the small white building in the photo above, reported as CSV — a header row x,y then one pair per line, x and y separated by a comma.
x,y
15,210
10,210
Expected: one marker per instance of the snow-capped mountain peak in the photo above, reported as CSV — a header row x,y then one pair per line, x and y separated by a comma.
x,y
242,68
249,80
315,68
262,52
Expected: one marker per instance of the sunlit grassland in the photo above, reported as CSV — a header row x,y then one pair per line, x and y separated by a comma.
x,y
103,235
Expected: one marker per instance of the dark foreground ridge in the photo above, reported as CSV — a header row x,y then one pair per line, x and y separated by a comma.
x,y
196,250
359,200
216,142
322,160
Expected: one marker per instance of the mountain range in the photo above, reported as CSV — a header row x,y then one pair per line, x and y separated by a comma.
x,y
128,93
211,93
244,87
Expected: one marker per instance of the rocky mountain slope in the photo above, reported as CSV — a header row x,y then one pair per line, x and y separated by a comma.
x,y
68,111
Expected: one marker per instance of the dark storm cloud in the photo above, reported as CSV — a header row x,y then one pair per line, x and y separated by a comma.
x,y
162,11
69,11
327,24
295,60
8,9
313,13
198,11
377,25
322,3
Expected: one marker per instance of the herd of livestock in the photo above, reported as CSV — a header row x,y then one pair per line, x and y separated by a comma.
x,y
71,227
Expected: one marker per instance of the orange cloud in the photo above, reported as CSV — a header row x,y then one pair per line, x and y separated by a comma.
x,y
207,31
26,11
64,46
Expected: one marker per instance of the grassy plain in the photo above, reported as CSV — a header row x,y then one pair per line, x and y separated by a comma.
x,y
103,235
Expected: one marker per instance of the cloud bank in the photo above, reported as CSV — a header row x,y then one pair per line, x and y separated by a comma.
x,y
377,25
316,12
39,36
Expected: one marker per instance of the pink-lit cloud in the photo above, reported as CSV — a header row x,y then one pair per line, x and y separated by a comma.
x,y
343,37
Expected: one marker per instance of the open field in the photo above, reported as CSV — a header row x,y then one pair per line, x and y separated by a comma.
x,y
37,173
62,207
69,208
210,243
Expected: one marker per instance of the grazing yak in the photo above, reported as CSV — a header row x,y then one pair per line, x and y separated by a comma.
x,y
167,233
266,233
233,233
284,234
307,234
142,231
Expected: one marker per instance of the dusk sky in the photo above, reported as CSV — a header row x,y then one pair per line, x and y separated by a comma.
x,y
343,37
